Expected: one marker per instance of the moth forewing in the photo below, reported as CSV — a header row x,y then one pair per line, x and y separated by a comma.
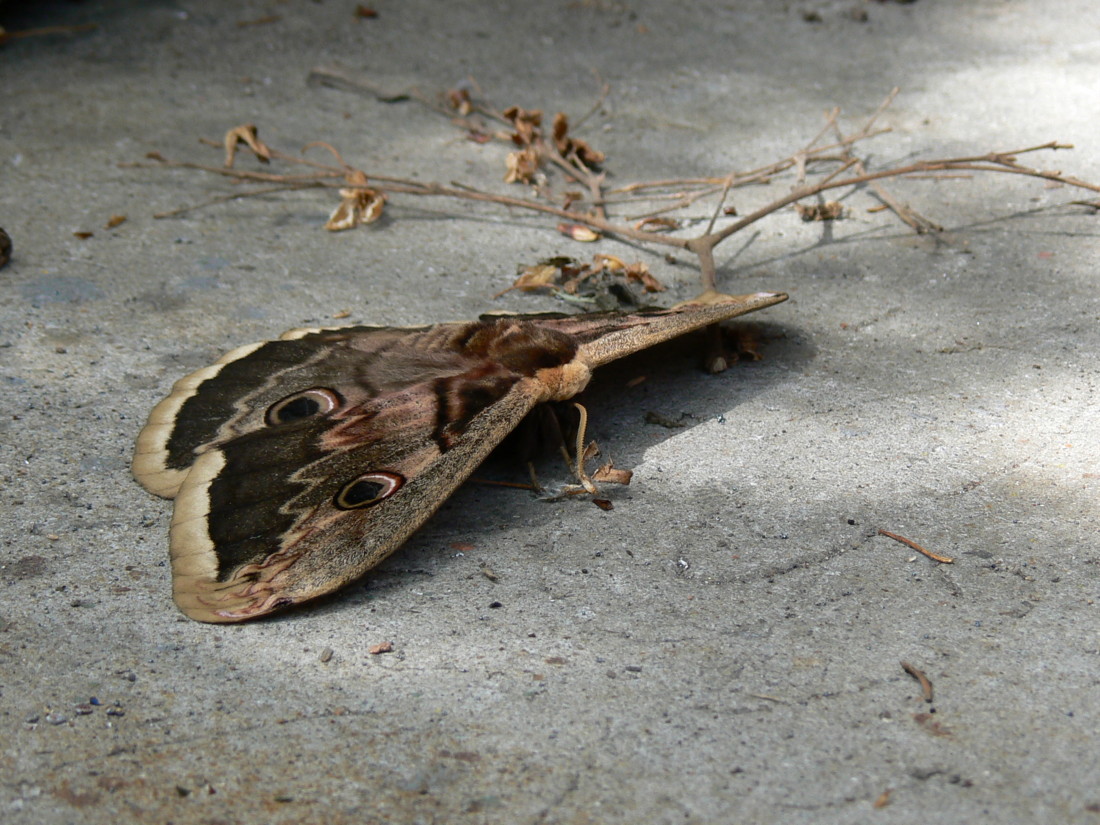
x,y
638,331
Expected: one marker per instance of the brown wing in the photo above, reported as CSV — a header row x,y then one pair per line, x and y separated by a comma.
x,y
298,464
278,516
603,337
233,396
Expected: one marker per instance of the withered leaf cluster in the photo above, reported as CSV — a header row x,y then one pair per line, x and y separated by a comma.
x,y
527,134
580,198
524,163
459,100
360,204
828,211
564,274
574,149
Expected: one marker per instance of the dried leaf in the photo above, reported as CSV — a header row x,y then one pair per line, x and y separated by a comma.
x,y
639,272
342,217
579,232
585,153
522,166
83,236
560,131
603,503
364,12
590,452
364,207
610,474
612,263
571,285
247,135
532,278
573,276
374,203
828,211
527,123
535,277
361,204
115,220
354,177
459,100
563,262
573,147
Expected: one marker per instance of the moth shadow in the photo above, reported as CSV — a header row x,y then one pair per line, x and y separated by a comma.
x,y
632,404
655,394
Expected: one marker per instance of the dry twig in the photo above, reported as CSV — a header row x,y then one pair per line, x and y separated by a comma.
x,y
46,31
919,675
917,547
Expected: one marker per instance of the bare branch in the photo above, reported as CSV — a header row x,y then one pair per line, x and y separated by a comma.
x,y
816,168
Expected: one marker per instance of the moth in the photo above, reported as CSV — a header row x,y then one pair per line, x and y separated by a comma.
x,y
298,464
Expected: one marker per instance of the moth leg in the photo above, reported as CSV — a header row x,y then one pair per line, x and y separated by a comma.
x,y
535,478
717,358
583,453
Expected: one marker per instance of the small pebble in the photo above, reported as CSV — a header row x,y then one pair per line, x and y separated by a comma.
x,y
57,718
83,709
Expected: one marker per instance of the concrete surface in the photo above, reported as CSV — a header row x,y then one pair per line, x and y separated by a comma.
x,y
724,645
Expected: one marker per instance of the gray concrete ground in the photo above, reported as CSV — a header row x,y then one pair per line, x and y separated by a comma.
x,y
724,645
